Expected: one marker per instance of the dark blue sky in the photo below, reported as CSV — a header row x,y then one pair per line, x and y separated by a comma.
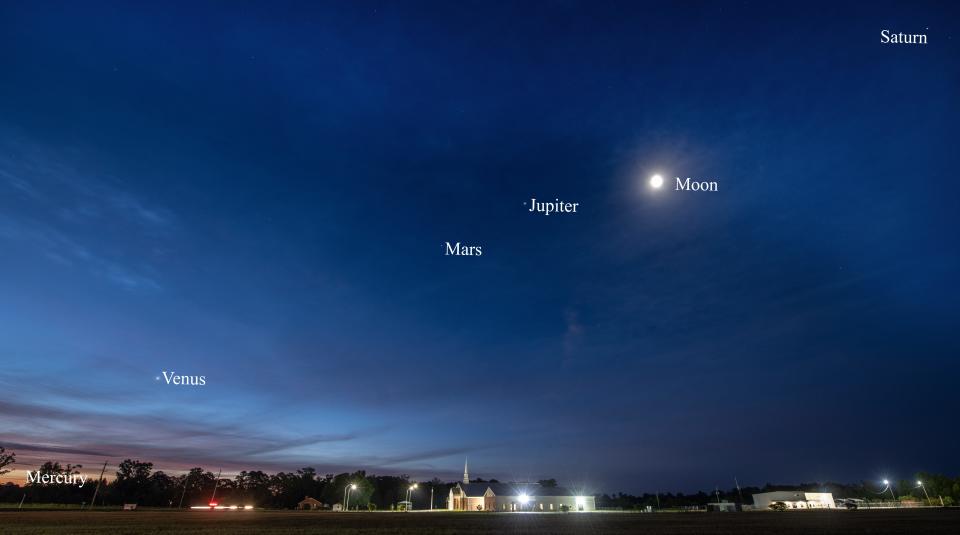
x,y
260,194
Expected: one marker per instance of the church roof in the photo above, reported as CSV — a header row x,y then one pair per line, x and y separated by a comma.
x,y
512,489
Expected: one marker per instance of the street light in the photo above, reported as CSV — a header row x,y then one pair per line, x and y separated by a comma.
x,y
347,491
410,490
890,488
920,484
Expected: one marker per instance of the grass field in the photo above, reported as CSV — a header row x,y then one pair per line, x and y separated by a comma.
x,y
932,521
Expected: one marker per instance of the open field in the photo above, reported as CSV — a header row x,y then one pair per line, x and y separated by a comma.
x,y
932,521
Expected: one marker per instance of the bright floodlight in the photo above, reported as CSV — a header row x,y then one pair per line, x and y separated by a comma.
x,y
656,181
919,483
524,498
580,500
353,486
885,482
413,486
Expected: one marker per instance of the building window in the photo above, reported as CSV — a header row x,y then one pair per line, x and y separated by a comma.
x,y
541,507
551,507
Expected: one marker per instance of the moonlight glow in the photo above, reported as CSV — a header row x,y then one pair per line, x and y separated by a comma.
x,y
656,181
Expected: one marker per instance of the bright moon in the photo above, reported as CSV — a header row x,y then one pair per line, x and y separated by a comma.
x,y
656,181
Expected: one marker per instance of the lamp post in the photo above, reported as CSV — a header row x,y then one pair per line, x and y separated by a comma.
x,y
890,488
920,484
410,490
347,491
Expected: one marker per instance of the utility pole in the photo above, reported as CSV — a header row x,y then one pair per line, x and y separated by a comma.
x,y
737,483
431,497
94,500
184,493
215,484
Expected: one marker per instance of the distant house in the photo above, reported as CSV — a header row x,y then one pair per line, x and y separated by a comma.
x,y
311,504
794,499
466,496
722,507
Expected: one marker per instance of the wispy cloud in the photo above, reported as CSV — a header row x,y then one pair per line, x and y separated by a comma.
x,y
61,248
19,184
149,216
38,431
77,216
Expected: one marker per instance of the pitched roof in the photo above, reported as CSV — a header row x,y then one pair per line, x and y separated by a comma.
x,y
475,490
555,491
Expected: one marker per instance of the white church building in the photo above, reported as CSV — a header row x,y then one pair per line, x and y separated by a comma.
x,y
529,497
794,500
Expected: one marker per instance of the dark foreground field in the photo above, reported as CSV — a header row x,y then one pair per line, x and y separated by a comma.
x,y
945,521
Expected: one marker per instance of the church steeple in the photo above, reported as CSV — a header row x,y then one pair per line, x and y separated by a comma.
x,y
466,474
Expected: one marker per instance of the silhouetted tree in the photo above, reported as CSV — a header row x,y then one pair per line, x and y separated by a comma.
x,y
132,482
40,492
6,459
135,481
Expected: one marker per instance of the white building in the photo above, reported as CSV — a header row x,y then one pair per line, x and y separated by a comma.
x,y
795,500
531,497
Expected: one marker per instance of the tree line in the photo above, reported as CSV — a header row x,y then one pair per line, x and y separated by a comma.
x,y
936,486
137,482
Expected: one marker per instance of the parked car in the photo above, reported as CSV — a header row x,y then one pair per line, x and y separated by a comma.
x,y
848,503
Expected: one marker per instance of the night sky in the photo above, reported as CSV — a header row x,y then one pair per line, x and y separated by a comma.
x,y
260,194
